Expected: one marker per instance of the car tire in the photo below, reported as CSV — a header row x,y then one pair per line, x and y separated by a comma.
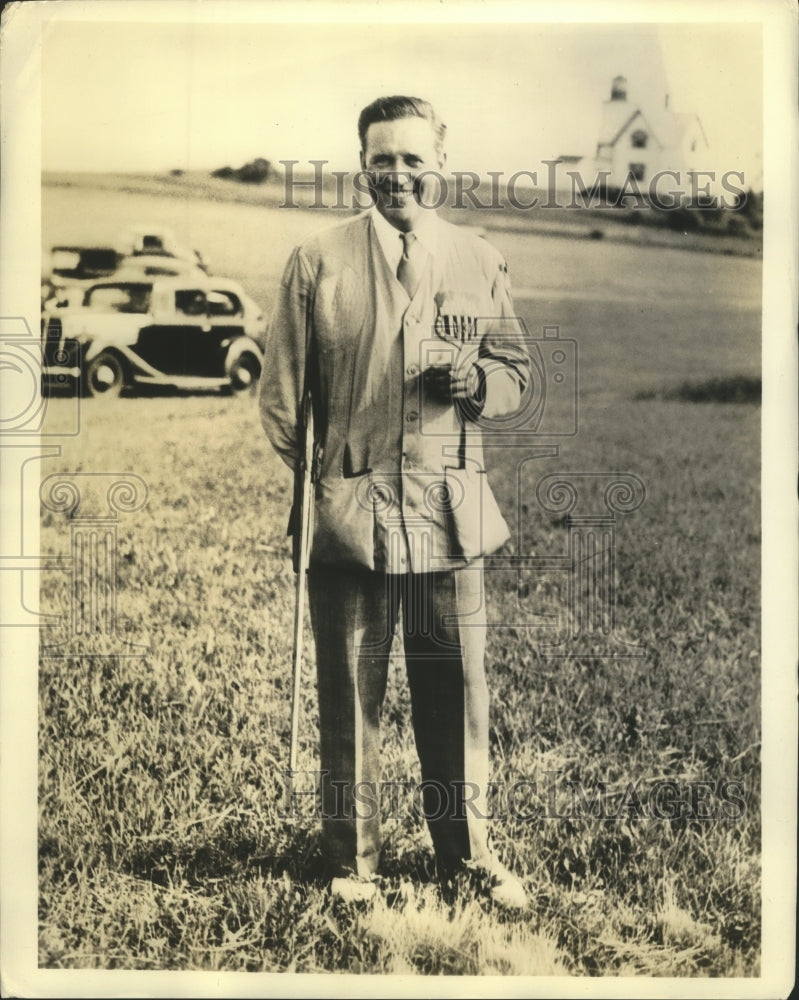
x,y
104,376
244,372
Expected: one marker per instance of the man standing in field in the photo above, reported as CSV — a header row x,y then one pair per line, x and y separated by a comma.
x,y
401,325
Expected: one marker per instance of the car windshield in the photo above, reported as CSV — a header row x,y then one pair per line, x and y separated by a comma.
x,y
119,298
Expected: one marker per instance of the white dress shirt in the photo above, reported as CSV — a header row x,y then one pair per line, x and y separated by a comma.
x,y
390,239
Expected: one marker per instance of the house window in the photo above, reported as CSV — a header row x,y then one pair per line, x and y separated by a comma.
x,y
637,171
639,138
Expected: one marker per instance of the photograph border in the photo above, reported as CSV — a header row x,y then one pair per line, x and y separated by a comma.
x,y
23,28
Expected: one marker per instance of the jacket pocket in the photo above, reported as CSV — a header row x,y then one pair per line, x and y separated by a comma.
x,y
343,532
477,526
354,462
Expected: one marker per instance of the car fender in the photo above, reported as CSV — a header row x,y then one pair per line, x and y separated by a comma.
x,y
239,346
100,344
254,318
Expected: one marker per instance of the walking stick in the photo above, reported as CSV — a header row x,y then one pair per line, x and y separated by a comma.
x,y
302,544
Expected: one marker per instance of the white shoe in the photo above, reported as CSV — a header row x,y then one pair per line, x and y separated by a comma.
x,y
353,889
501,885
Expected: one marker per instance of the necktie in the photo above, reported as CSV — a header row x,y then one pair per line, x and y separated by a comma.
x,y
411,265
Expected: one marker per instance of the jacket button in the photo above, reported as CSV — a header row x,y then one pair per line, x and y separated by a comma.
x,y
413,369
410,417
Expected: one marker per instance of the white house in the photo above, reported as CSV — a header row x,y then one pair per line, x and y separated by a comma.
x,y
636,144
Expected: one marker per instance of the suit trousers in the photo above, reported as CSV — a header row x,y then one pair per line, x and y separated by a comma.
x,y
354,617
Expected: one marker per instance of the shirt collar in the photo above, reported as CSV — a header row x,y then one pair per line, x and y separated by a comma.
x,y
389,237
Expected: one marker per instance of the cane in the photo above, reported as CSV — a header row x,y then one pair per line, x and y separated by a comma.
x,y
303,544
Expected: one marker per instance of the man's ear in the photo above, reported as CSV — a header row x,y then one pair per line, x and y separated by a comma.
x,y
442,159
363,160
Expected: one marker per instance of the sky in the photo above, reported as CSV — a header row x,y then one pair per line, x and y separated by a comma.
x,y
145,96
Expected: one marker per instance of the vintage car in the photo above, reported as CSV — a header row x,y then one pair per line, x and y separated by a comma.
x,y
60,291
68,270
157,241
189,332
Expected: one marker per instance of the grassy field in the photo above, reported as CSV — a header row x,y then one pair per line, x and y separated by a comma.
x,y
164,841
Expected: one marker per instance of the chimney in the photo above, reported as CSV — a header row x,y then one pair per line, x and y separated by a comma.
x,y
618,90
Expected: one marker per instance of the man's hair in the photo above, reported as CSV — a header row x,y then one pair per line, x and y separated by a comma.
x,y
389,109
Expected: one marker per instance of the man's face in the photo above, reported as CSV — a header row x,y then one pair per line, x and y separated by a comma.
x,y
395,155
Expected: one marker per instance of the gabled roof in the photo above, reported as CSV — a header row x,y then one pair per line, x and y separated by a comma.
x,y
616,116
667,127
631,117
674,125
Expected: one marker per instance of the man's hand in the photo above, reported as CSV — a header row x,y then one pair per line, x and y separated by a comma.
x,y
448,382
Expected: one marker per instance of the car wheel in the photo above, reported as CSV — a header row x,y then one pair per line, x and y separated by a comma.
x,y
244,372
104,375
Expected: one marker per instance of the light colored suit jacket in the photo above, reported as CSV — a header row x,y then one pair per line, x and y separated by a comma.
x,y
402,482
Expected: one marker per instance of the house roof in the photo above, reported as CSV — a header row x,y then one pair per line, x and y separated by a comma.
x,y
635,114
616,116
674,125
666,127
